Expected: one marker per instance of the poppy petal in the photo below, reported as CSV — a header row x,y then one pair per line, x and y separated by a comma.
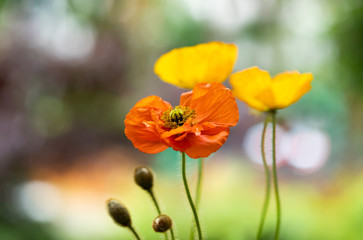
x,y
142,124
213,103
178,141
267,98
197,141
175,131
185,98
248,85
154,102
204,145
289,87
188,66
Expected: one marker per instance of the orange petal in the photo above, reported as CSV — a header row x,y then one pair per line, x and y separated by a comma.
x,y
249,83
204,144
212,103
185,98
142,124
178,138
188,66
178,141
176,131
289,87
196,141
153,102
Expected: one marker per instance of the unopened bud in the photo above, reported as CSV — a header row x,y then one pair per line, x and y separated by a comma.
x,y
162,223
144,177
119,213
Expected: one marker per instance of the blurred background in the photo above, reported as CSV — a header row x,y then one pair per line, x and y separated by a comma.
x,y
70,70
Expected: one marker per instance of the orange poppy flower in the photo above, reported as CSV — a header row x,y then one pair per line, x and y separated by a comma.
x,y
203,63
199,126
261,92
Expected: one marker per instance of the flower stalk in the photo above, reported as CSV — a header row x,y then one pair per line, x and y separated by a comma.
x,y
267,177
145,179
121,216
198,190
195,214
134,232
199,182
274,174
151,193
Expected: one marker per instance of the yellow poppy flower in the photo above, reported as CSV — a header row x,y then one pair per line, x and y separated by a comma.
x,y
202,63
261,92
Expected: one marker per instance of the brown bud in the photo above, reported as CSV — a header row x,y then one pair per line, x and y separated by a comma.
x,y
144,177
119,213
162,223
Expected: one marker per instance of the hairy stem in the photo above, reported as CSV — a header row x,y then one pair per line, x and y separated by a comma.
x,y
267,178
274,173
134,232
198,191
190,198
154,200
159,212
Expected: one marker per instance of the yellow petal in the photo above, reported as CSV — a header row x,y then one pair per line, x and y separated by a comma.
x,y
188,66
289,87
248,85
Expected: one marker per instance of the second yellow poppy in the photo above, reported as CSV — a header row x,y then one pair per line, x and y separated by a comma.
x,y
261,92
203,63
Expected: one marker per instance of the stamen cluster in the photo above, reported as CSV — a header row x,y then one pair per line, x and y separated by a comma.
x,y
177,116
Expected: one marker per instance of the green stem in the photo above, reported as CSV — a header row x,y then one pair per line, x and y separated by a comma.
x,y
159,212
199,182
134,232
198,190
172,234
274,173
154,200
268,181
190,198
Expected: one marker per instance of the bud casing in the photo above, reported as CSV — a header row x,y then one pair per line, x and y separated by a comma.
x,y
162,223
144,177
118,213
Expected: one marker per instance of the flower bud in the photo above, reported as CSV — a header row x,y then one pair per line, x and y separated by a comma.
x,y
144,177
162,223
119,213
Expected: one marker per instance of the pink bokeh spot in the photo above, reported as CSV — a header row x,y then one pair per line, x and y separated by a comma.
x,y
303,148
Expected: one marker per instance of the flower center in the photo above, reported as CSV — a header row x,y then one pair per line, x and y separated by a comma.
x,y
177,116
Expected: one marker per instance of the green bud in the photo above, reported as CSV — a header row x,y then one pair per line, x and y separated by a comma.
x,y
144,177
119,213
162,223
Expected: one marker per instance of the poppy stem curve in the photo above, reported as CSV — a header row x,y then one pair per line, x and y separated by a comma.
x,y
274,173
134,232
154,200
190,198
198,191
159,212
268,180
